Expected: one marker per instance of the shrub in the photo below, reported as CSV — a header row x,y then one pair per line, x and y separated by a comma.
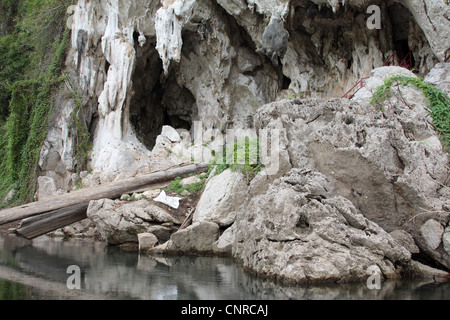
x,y
438,102
243,156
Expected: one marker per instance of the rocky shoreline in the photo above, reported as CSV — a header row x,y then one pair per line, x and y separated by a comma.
x,y
356,188
344,188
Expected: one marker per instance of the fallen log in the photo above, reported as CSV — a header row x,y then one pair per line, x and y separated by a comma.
x,y
112,190
36,226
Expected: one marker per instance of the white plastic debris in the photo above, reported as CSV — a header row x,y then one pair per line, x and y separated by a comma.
x,y
173,202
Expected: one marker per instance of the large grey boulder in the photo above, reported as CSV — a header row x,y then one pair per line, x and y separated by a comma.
x,y
297,231
385,165
120,222
197,238
222,198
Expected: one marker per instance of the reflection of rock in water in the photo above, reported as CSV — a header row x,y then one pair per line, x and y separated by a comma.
x,y
110,272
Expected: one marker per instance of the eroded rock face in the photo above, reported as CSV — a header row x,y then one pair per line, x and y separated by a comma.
x,y
348,174
140,65
298,231
375,159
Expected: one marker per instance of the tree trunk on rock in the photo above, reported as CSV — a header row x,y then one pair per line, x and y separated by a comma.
x,y
84,196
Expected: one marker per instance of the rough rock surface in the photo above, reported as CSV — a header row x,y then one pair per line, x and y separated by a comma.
x,y
146,241
120,222
439,76
222,198
197,238
375,159
376,79
139,65
348,174
298,231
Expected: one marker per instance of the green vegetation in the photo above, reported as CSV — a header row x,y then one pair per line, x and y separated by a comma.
x,y
83,144
243,156
438,102
14,291
177,187
33,48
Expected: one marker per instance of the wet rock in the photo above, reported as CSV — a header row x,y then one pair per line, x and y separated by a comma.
x,y
146,241
198,237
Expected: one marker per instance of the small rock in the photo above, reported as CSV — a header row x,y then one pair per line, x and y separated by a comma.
x,y
185,193
9,196
146,241
167,224
162,233
170,133
432,232
224,244
137,196
124,197
190,180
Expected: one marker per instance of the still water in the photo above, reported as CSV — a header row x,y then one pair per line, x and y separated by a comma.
x,y
34,270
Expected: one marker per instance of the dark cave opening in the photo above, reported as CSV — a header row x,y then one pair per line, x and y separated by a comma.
x,y
157,100
286,83
400,18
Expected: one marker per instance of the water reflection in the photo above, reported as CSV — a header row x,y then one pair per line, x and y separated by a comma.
x,y
37,270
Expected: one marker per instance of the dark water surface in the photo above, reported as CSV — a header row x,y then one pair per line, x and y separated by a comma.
x,y
34,270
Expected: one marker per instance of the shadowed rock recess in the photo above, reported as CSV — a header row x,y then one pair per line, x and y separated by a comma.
x,y
358,185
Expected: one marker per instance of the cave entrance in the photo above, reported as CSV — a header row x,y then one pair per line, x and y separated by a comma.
x,y
157,100
400,18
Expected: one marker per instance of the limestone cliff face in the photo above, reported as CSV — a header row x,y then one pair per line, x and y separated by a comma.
x,y
140,65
